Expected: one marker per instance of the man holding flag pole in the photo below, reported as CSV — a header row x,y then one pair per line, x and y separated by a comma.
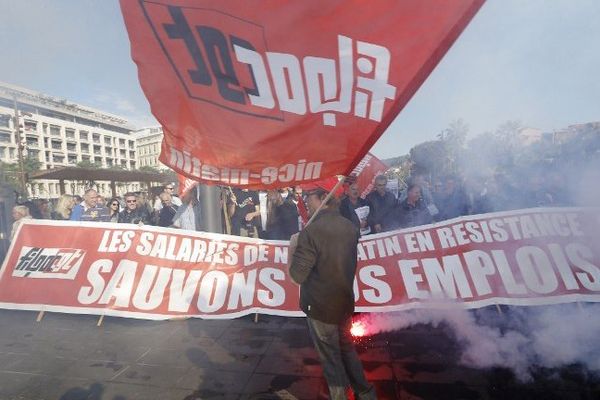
x,y
323,262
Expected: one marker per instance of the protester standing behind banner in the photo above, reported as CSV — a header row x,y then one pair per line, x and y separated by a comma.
x,y
19,214
323,262
382,204
413,211
189,215
63,208
115,207
167,211
133,212
282,216
350,204
244,210
90,199
169,189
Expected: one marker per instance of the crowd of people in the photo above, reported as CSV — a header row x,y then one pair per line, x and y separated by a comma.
x,y
279,214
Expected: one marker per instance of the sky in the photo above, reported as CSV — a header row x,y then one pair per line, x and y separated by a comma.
x,y
533,61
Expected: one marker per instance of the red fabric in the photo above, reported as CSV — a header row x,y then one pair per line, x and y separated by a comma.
x,y
268,94
185,184
326,184
302,210
365,173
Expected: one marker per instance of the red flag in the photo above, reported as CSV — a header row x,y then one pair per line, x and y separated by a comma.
x,y
365,173
267,94
185,184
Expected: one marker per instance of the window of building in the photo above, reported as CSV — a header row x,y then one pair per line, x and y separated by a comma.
x,y
34,154
70,133
85,148
83,135
5,120
30,125
54,130
5,137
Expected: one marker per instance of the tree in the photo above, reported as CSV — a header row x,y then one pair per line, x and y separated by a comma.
x,y
11,172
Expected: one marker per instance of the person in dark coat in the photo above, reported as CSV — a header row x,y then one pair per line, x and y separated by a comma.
x,y
282,216
323,262
350,203
133,213
167,211
413,211
383,206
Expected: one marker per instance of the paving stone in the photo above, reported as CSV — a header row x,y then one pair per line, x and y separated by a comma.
x,y
287,365
214,381
266,386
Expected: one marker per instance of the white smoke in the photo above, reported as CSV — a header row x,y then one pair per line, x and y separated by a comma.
x,y
521,338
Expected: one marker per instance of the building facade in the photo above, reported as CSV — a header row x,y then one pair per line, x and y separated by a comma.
x,y
148,143
58,133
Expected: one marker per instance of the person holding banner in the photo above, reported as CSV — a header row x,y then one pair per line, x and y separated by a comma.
x,y
323,262
349,206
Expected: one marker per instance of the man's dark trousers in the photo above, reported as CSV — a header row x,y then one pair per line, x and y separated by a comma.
x,y
341,365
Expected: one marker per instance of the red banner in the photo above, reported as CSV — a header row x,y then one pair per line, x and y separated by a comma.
x,y
366,171
269,94
526,257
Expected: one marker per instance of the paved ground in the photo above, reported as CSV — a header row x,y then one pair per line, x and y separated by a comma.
x,y
68,357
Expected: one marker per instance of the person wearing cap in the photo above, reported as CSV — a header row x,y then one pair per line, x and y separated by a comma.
x,y
323,262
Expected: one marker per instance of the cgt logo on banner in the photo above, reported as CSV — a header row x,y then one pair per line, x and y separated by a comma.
x,y
36,262
229,66
241,89
524,257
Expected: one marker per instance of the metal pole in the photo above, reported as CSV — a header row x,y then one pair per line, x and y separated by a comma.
x,y
210,206
22,182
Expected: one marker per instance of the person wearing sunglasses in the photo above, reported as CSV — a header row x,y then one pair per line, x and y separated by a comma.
x,y
114,208
169,189
133,213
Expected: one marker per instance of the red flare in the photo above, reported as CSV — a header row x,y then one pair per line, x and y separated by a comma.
x,y
358,329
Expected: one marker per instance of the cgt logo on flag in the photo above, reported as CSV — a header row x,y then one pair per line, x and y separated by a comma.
x,y
224,60
36,262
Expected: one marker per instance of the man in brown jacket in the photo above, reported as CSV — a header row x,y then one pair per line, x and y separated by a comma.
x,y
323,263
